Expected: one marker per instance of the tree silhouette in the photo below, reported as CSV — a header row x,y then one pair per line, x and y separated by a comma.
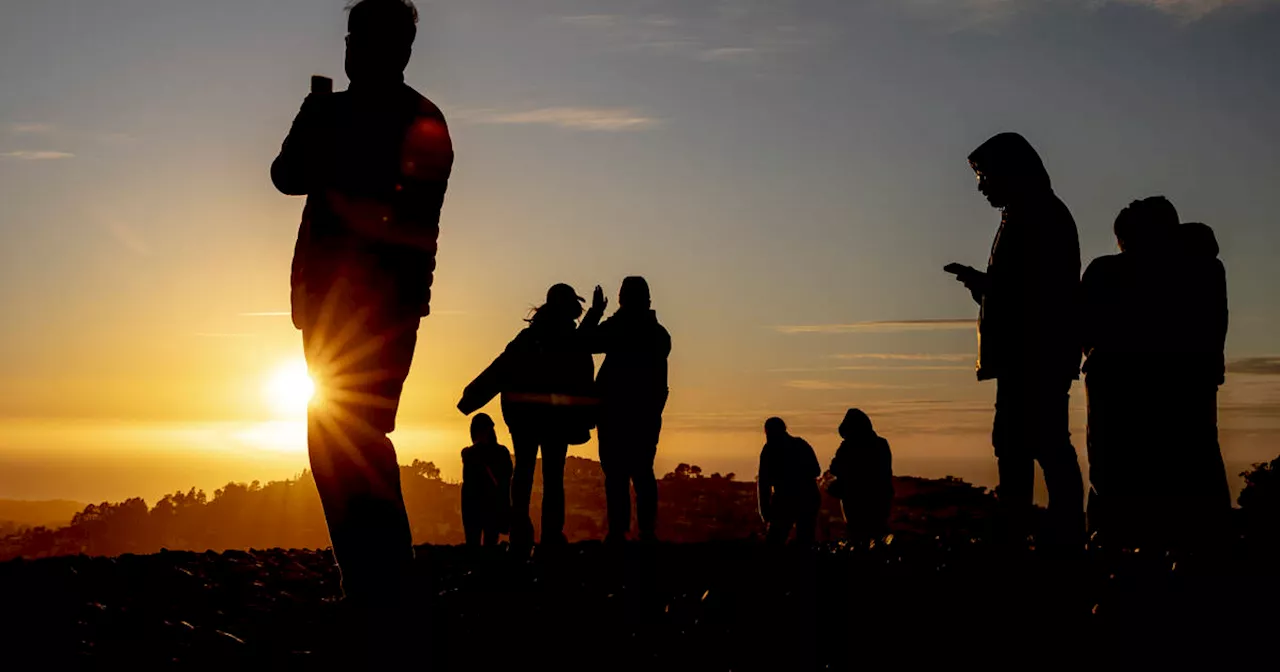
x,y
1260,499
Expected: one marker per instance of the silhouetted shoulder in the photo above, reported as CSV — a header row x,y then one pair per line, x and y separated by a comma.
x,y
428,149
426,108
1103,265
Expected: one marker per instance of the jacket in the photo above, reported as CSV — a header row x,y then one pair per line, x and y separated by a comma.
x,y
545,378
863,468
486,482
636,347
374,165
1153,315
1027,322
789,470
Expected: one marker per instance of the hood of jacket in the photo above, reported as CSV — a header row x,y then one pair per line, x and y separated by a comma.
x,y
1015,162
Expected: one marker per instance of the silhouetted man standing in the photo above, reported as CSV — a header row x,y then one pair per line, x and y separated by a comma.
x,y
632,386
374,163
1027,335
788,485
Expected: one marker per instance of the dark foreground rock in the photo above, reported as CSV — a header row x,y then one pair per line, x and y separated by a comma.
x,y
713,606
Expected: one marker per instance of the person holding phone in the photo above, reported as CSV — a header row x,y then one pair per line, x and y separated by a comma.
x,y
374,163
1028,300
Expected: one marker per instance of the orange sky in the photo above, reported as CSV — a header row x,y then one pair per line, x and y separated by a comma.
x,y
792,242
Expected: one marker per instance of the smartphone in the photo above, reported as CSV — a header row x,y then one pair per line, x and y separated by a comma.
x,y
321,84
957,269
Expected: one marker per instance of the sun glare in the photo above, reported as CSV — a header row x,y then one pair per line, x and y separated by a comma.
x,y
290,389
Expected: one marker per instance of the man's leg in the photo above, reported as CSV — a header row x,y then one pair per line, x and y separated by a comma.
x,y
617,481
1060,464
553,457
783,520
1016,490
807,520
360,359
646,484
525,447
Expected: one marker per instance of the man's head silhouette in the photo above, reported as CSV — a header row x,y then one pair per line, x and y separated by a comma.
x,y
1008,169
634,293
380,37
775,429
1146,225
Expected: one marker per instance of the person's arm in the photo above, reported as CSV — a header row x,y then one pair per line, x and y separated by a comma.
x,y
294,171
490,382
1221,318
593,334
504,465
764,489
973,280
1090,316
814,467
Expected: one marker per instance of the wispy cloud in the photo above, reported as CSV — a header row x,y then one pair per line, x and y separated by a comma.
x,y
36,155
31,128
882,326
1187,9
723,32
816,385
609,119
729,54
904,368
1262,366
593,20
907,356
960,15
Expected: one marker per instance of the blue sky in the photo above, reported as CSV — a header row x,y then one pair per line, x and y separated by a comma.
x,y
767,165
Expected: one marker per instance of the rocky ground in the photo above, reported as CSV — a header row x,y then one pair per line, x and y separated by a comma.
x,y
714,606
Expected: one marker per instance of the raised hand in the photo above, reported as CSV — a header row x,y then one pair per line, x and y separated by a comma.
x,y
598,300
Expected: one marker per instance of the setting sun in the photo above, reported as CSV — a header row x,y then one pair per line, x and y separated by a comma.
x,y
290,389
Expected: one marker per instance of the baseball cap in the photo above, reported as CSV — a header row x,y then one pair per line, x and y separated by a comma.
x,y
562,293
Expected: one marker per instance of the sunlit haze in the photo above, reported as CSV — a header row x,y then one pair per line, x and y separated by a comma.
x,y
790,176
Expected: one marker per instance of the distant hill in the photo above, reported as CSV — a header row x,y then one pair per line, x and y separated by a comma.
x,y
50,513
692,508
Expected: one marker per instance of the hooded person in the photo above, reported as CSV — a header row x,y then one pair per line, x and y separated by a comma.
x,y
863,471
1203,475
1028,342
787,485
486,484
545,378
632,387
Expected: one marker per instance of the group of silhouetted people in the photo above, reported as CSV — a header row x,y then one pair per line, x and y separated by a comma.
x,y
1155,325
374,162
1151,322
552,399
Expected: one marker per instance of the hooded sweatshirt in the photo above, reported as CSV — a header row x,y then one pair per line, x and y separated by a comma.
x,y
1027,320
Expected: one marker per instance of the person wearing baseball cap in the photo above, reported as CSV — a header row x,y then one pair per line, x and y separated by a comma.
x,y
545,377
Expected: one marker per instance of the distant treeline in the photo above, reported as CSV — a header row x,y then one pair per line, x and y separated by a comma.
x,y
693,507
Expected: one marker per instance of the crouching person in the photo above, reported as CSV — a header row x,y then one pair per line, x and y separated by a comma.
x,y
788,485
